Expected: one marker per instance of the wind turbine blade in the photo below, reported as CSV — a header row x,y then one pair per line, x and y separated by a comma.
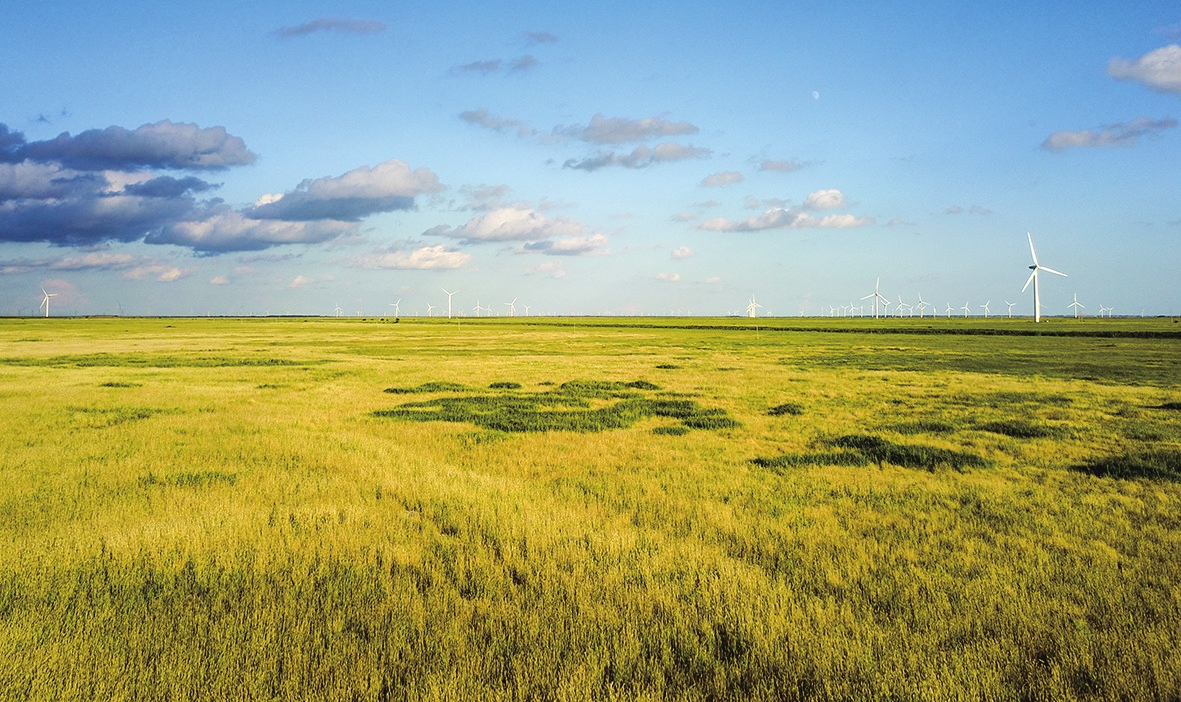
x,y
1051,270
1031,251
1031,277
869,296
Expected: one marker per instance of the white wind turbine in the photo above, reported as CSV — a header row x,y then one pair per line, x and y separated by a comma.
x,y
966,309
396,307
1103,309
985,306
338,310
922,306
877,295
449,294
512,307
477,309
527,309
1037,297
1076,305
1010,304
45,300
430,310
752,306
949,310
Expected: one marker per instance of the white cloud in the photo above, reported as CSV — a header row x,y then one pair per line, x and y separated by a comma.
x,y
682,252
668,277
550,269
231,231
1159,70
780,166
299,281
220,280
1123,134
683,217
640,157
619,130
511,223
720,179
713,280
778,218
437,257
824,200
571,246
162,273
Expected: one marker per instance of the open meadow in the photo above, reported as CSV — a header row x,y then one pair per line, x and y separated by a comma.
x,y
577,509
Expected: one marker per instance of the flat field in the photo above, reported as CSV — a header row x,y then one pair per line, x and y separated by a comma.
x,y
575,509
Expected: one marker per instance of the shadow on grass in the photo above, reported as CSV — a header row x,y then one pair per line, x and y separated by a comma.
x,y
1021,429
1153,464
579,405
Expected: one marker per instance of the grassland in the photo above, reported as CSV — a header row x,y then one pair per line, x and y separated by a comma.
x,y
513,509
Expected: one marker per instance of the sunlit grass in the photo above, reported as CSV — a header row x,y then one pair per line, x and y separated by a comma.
x,y
944,517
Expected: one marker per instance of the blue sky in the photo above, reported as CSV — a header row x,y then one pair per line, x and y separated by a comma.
x,y
255,158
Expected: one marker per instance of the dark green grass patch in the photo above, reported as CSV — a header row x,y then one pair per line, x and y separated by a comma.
x,y
190,479
925,426
668,366
434,386
879,450
505,385
1153,464
1169,406
675,430
1020,429
100,417
579,406
117,384
787,408
786,461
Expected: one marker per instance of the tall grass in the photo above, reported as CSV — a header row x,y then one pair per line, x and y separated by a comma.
x,y
262,531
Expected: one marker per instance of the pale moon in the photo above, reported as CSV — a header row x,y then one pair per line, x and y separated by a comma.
x,y
815,95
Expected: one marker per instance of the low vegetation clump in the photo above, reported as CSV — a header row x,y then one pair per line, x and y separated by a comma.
x,y
804,460
787,408
925,426
879,450
577,405
504,385
1152,464
1169,406
119,384
190,479
1020,429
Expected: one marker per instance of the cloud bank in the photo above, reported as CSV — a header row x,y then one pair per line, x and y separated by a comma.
x,y
1123,134
788,218
332,24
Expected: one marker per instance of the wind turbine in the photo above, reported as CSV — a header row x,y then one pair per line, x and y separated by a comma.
x,y
876,295
1010,304
949,310
1037,297
527,309
449,294
966,309
1103,309
477,309
45,300
338,310
1076,305
430,310
396,307
752,306
922,306
985,306
512,307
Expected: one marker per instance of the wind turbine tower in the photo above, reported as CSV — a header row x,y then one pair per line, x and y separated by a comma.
x,y
45,300
1037,296
877,295
1077,306
1010,304
449,294
752,306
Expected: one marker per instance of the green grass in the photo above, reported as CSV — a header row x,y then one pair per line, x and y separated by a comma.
x,y
964,509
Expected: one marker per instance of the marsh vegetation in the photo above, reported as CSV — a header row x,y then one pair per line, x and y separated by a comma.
x,y
528,509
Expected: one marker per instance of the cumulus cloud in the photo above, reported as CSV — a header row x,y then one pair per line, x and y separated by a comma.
x,y
682,252
620,130
227,230
160,145
824,200
1123,134
427,258
719,179
332,24
219,280
161,273
640,157
683,216
668,277
361,192
1159,70
94,260
570,246
549,269
511,223
713,280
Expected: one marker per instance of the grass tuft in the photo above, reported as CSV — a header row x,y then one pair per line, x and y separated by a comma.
x,y
928,458
675,430
190,479
434,386
117,384
505,385
1153,464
